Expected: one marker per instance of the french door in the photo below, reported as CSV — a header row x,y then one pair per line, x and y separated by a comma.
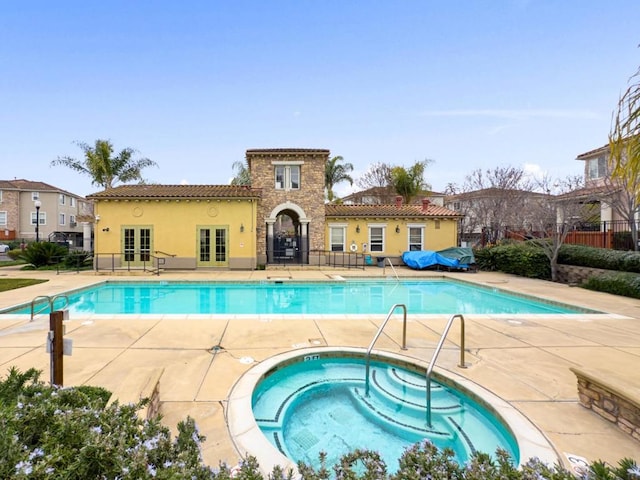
x,y
136,245
212,246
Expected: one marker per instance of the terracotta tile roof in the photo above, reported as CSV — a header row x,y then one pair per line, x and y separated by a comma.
x,y
176,191
337,210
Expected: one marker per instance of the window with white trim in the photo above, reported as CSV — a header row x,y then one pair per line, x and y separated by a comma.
x,y
72,202
0,195
376,239
3,218
416,239
337,238
62,219
42,217
287,177
62,199
72,221
35,196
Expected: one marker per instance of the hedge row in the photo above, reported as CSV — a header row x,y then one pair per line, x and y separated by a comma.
x,y
529,260
523,258
618,283
607,259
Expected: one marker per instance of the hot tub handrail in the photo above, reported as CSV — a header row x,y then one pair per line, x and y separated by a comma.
x,y
435,357
377,335
51,301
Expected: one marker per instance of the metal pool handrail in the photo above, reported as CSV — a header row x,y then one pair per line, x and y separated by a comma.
x,y
377,335
384,271
51,302
435,357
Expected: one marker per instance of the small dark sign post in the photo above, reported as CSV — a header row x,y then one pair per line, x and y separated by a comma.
x,y
56,344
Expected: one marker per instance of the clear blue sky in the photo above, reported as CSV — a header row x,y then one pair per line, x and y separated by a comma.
x,y
193,84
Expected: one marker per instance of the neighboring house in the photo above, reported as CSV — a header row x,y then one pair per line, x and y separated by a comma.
x,y
614,207
491,214
387,196
60,215
280,218
598,188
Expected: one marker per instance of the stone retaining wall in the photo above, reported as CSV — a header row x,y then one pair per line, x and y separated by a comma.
x,y
602,394
573,275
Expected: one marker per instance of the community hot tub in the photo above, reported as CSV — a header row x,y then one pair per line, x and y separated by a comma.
x,y
294,405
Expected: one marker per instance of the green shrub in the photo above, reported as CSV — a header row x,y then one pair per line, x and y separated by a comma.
x,y
618,283
40,254
524,258
77,259
605,258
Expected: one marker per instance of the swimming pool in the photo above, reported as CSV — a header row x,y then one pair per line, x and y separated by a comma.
x,y
304,402
432,296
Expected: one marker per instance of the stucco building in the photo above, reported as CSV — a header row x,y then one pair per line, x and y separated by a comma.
x,y
280,218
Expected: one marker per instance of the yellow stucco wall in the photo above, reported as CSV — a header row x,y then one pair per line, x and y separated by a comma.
x,y
175,224
438,234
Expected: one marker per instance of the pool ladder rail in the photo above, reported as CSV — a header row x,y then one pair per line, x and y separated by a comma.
x,y
434,358
51,302
377,335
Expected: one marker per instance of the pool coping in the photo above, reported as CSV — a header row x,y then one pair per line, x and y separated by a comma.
x,y
248,439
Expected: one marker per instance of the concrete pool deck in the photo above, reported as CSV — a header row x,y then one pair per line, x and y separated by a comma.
x,y
524,359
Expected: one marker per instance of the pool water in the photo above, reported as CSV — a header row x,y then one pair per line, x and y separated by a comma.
x,y
433,296
320,405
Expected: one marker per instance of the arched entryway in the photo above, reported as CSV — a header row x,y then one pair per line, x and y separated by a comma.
x,y
287,235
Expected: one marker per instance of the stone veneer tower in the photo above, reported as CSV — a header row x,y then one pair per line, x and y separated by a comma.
x,y
274,172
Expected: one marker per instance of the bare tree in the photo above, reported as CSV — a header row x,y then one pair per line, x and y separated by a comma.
x,y
623,185
493,201
378,175
556,214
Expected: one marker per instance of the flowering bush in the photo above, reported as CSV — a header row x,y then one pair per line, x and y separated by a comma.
x,y
48,432
71,433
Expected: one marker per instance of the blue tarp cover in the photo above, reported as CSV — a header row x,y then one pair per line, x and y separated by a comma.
x,y
451,257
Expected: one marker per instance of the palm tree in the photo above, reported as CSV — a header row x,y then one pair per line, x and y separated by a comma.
x,y
242,173
409,183
334,173
104,169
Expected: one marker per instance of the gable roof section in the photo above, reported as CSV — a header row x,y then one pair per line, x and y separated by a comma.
x,y
491,192
403,211
176,192
593,153
388,194
22,185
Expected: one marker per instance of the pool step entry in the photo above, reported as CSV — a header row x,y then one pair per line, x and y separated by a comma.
x,y
399,402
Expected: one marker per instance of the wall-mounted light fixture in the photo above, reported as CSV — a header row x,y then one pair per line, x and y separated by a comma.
x,y
357,228
241,227
105,229
397,228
